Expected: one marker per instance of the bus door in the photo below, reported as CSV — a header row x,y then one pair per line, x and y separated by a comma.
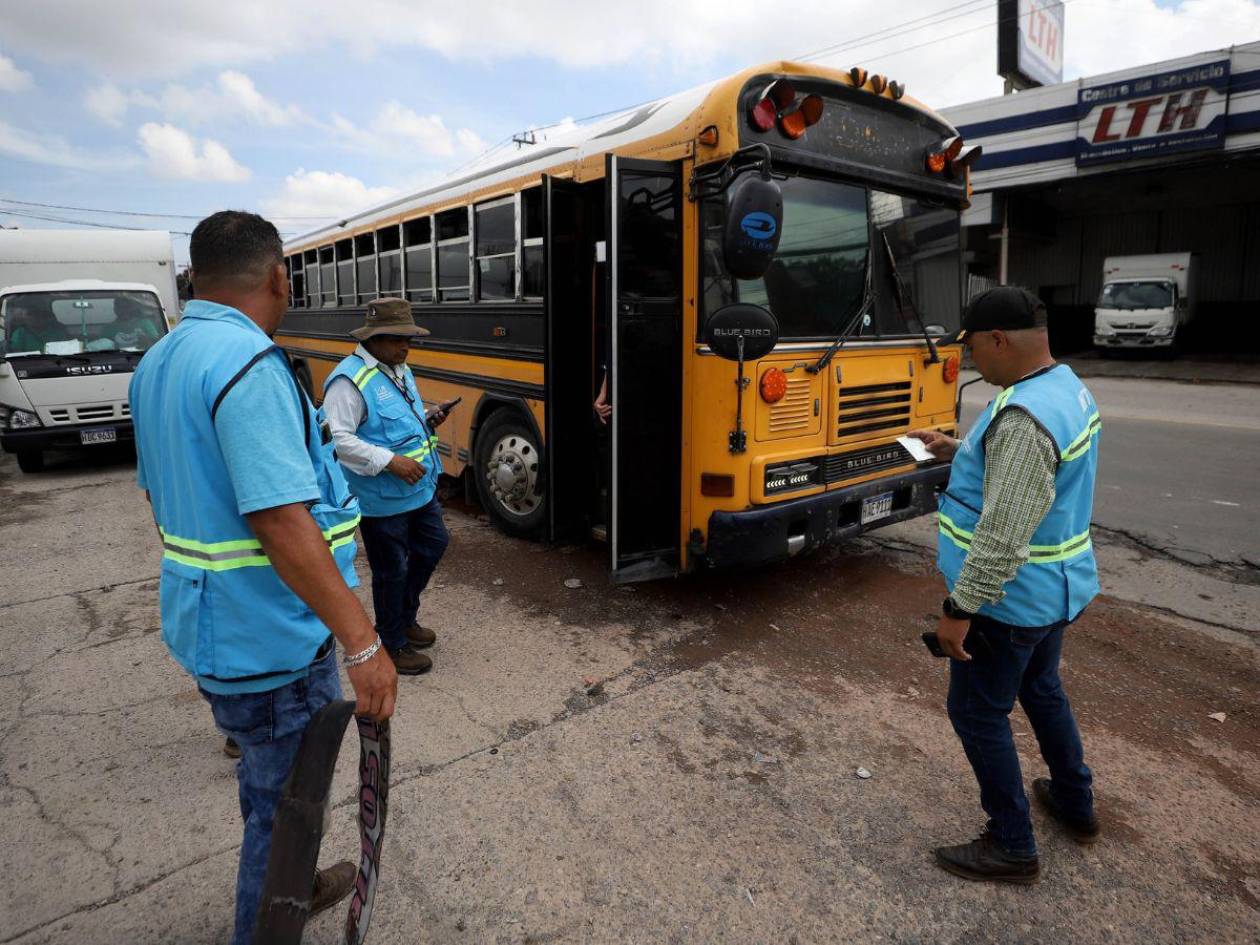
x,y
644,272
567,314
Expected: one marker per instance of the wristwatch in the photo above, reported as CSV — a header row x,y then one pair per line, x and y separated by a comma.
x,y
953,611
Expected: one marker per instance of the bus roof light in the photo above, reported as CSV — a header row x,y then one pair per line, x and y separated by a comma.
x,y
811,109
858,76
878,84
898,89
782,93
763,114
966,157
935,160
952,147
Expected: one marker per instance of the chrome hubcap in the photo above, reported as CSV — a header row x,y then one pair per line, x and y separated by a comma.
x,y
512,475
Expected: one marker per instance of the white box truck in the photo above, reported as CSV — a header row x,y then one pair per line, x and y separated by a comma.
x,y
77,311
1146,301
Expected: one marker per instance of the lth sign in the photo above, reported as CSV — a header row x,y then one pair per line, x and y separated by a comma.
x,y
1153,116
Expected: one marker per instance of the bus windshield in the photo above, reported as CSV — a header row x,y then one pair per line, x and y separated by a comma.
x,y
64,323
815,284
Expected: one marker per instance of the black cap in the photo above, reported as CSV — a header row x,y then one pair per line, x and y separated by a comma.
x,y
1005,308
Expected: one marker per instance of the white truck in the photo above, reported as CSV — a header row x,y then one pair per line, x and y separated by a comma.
x,y
1146,301
77,311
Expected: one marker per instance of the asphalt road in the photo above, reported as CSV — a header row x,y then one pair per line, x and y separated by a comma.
x,y
1178,467
669,763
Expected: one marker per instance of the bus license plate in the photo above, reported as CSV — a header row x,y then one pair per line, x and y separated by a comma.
x,y
108,435
877,507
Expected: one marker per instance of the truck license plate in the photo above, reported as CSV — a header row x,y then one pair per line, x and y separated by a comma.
x,y
876,507
108,435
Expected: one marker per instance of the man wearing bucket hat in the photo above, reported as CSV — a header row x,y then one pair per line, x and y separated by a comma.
x,y
1015,551
385,443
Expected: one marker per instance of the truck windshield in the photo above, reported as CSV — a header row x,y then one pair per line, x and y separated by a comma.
x,y
78,322
815,283
1134,295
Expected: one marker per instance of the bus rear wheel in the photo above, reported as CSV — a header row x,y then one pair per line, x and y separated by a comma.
x,y
508,474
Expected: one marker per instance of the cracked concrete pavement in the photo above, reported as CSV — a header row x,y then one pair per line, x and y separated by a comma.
x,y
703,791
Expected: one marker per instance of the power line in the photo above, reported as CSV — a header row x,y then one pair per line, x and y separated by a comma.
x,y
857,42
27,215
136,213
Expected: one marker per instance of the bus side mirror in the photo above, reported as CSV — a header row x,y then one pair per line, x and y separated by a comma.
x,y
741,332
754,219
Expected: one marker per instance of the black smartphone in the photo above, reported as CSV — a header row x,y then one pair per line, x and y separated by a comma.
x,y
974,643
450,405
933,644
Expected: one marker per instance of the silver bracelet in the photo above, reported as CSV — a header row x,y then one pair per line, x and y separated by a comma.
x,y
357,659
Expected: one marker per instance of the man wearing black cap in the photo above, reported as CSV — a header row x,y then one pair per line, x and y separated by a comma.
x,y
1015,551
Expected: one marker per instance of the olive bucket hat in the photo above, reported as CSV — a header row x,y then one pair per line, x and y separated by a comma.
x,y
389,317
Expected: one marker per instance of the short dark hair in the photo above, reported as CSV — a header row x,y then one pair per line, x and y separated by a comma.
x,y
234,245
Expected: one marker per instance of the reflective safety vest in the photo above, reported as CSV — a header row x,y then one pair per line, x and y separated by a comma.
x,y
1060,576
395,421
227,617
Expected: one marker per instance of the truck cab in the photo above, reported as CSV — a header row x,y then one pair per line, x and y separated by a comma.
x,y
1146,301
69,350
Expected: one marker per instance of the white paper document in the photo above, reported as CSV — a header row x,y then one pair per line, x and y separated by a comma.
x,y
916,449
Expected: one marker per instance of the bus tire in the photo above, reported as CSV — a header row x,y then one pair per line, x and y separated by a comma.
x,y
507,470
30,461
303,374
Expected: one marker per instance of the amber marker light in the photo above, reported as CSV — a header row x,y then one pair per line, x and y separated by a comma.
x,y
858,76
773,385
708,137
936,161
950,369
878,84
717,484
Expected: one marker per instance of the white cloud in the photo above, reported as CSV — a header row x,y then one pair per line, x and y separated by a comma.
x,y
397,130
13,79
323,194
124,39
48,149
173,153
233,96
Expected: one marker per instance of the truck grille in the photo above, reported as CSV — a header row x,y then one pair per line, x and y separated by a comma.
x,y
795,411
865,461
92,413
874,407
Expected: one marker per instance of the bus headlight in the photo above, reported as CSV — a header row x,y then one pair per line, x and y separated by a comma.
x,y
1160,332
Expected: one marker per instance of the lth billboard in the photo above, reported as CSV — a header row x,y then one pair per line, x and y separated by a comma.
x,y
1030,42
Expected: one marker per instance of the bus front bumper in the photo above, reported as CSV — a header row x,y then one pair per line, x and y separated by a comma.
x,y
774,532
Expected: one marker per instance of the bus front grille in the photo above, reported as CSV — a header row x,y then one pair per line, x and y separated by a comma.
x,y
872,408
796,410
863,462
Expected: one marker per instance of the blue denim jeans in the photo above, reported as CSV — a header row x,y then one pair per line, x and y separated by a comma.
x,y
403,551
268,726
1007,663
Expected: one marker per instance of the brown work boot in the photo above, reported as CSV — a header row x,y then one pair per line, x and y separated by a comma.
x,y
332,885
420,637
1082,831
410,662
982,859
231,749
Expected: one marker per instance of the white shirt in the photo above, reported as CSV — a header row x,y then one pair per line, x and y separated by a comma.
x,y
345,410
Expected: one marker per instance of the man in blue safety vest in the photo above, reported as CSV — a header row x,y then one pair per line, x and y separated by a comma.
x,y
385,442
1015,550
257,529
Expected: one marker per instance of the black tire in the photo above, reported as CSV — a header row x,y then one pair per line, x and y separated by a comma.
x,y
508,471
30,461
303,374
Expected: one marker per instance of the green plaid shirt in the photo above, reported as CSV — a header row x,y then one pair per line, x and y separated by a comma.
x,y
1020,460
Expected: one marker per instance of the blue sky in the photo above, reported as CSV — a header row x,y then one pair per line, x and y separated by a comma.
x,y
313,109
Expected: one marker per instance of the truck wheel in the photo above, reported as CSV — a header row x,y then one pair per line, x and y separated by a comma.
x,y
507,469
30,461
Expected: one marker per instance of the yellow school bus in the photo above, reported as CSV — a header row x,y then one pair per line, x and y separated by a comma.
x,y
755,270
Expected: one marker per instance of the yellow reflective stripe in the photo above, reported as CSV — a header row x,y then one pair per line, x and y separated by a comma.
x,y
953,526
241,553
951,531
364,375
1044,554
1080,446
423,449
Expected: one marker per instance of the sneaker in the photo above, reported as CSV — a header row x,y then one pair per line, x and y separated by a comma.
x,y
1082,831
231,749
332,885
983,860
420,637
410,662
